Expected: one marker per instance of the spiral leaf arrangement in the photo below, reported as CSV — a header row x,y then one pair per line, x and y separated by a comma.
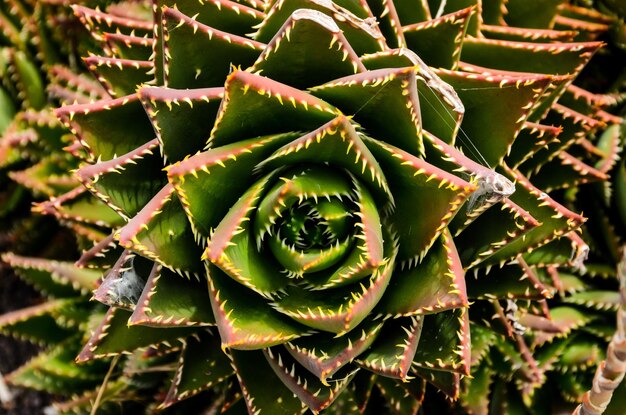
x,y
333,207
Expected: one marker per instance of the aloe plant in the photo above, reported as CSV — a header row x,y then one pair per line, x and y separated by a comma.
x,y
304,198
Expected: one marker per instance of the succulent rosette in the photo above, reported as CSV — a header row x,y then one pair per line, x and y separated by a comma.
x,y
294,198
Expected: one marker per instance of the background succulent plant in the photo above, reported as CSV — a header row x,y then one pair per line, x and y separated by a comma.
x,y
295,191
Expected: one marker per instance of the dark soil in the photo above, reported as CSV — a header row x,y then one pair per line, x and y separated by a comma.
x,y
15,294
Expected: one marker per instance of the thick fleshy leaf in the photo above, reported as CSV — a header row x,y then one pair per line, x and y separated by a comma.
x,y
359,34
338,144
232,246
55,278
418,187
196,55
388,21
385,102
254,105
81,206
244,319
182,119
596,299
306,386
129,47
209,183
324,354
201,365
400,402
315,48
392,353
445,342
503,102
520,34
128,182
537,14
546,58
475,391
479,240
566,171
514,281
555,219
120,77
38,324
98,22
439,41
447,382
263,394
437,283
55,371
530,139
339,310
161,232
171,301
109,128
113,336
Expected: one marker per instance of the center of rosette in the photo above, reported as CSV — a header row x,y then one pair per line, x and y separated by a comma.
x,y
306,219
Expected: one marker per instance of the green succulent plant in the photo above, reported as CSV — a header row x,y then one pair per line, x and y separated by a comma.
x,y
304,198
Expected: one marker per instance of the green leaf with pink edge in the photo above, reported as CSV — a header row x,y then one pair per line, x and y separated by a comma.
x,y
162,233
53,278
503,102
263,393
108,128
400,402
339,310
323,354
445,342
447,382
254,105
296,195
55,371
418,186
181,113
49,176
81,206
515,281
439,41
245,320
539,14
574,127
97,23
540,58
120,77
386,16
482,340
208,183
596,299
232,246
384,102
38,324
391,355
126,183
129,47
305,385
566,319
315,48
168,300
359,34
555,219
228,16
518,34
199,56
559,252
566,171
201,366
436,284
478,240
114,337
530,140
338,144
474,395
